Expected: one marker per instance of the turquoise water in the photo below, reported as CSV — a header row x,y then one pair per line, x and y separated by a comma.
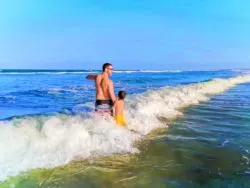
x,y
186,129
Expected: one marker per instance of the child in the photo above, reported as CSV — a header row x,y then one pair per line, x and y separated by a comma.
x,y
118,107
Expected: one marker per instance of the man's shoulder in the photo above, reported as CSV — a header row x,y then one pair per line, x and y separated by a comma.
x,y
99,76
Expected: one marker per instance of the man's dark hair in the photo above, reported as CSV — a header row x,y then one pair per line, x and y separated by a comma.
x,y
105,65
122,94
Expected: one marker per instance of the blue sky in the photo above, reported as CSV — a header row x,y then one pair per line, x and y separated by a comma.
x,y
132,34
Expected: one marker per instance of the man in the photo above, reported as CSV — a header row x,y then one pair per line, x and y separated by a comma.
x,y
105,96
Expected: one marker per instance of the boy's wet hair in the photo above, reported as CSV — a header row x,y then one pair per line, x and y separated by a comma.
x,y
122,95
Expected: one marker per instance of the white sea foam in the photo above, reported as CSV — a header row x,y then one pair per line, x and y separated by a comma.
x,y
72,89
144,109
46,142
160,71
60,140
246,159
146,71
59,90
167,71
125,71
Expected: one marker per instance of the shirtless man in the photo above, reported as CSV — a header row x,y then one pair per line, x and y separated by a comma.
x,y
105,96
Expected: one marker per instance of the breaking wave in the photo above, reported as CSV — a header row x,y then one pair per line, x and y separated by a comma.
x,y
46,142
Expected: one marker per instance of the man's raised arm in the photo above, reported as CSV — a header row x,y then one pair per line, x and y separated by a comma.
x,y
91,77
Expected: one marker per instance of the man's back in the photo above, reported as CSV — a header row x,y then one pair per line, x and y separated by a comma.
x,y
103,86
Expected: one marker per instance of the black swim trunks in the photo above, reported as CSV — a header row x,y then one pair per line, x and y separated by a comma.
x,y
104,106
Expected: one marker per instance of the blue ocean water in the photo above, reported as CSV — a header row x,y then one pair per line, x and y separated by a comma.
x,y
185,128
25,92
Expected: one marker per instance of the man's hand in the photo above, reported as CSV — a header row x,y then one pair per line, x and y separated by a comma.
x,y
91,77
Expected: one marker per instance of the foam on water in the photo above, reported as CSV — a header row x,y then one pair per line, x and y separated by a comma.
x,y
147,71
145,109
47,142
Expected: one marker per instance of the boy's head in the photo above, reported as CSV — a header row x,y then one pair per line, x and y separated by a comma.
x,y
121,95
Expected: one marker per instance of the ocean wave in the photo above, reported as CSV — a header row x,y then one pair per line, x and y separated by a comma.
x,y
53,90
167,71
47,142
242,71
60,90
162,71
146,71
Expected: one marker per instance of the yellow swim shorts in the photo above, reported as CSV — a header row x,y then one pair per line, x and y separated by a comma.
x,y
120,120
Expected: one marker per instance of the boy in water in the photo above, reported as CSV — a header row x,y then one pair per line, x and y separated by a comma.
x,y
119,108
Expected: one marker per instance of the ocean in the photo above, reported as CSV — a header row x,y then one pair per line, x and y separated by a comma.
x,y
184,129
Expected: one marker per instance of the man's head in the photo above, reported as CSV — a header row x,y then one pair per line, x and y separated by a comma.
x,y
108,68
